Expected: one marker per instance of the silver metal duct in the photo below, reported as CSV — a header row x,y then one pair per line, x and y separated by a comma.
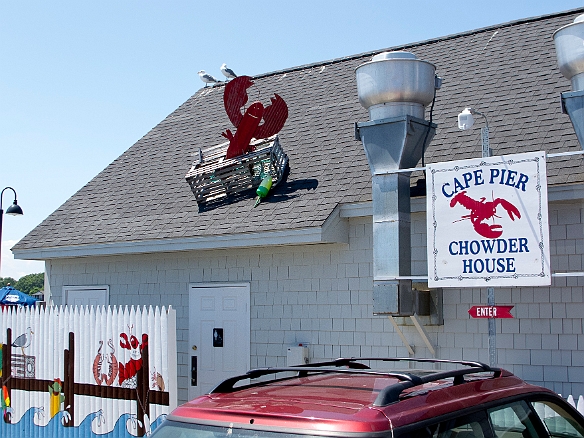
x,y
395,87
569,41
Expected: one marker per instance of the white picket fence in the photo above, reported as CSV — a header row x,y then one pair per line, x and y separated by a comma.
x,y
506,418
83,371
579,405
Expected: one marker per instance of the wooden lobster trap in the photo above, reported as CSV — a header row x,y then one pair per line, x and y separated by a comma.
x,y
213,177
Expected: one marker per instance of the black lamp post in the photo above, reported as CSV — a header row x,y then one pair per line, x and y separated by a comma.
x,y
13,210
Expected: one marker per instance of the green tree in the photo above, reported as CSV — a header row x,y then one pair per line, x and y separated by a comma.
x,y
5,281
31,283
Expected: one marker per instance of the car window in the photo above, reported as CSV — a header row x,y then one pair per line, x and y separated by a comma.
x,y
513,421
467,426
558,421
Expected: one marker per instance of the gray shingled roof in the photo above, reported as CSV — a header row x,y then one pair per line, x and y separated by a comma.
x,y
508,72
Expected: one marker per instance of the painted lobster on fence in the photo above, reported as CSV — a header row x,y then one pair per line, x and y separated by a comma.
x,y
480,211
127,371
248,123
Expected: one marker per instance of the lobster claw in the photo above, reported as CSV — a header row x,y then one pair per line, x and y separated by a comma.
x,y
124,343
275,116
227,134
493,231
235,97
510,209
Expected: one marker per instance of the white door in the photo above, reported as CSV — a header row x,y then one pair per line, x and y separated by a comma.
x,y
86,295
219,334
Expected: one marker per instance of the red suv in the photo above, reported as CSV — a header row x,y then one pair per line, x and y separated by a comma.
x,y
359,398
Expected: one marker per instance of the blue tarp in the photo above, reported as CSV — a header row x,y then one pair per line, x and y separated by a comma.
x,y
9,295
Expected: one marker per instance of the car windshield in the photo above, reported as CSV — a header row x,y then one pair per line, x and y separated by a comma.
x,y
175,429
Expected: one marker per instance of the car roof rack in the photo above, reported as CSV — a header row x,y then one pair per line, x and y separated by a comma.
x,y
386,396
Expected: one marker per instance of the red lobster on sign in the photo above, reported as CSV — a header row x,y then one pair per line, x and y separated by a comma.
x,y
480,211
248,123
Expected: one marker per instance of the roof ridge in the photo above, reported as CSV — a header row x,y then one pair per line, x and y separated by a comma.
x,y
419,43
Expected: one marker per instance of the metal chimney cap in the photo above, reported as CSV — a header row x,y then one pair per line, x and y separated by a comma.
x,y
569,41
395,84
578,19
393,55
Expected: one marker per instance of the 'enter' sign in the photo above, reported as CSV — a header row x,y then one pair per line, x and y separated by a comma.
x,y
490,311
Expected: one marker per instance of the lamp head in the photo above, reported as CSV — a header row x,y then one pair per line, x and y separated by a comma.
x,y
14,209
465,119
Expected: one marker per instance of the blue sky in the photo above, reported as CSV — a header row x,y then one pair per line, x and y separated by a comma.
x,y
81,81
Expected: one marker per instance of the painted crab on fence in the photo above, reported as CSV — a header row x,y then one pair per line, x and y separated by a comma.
x,y
480,211
249,123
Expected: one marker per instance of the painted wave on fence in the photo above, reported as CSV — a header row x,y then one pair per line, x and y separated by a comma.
x,y
126,426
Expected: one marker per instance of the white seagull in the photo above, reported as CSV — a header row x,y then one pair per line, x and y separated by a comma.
x,y
23,340
207,78
227,72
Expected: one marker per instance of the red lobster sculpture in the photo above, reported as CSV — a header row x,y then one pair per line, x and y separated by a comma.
x,y
248,123
480,211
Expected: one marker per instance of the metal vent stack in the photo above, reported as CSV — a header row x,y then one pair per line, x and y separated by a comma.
x,y
569,41
395,87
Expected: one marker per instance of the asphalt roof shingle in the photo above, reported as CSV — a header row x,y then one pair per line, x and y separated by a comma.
x,y
508,72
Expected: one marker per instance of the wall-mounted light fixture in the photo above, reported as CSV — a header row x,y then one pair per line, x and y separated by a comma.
x,y
466,121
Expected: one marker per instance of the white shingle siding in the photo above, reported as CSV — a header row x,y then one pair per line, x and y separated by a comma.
x,y
321,295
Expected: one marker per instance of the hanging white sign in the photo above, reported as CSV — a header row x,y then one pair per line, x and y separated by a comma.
x,y
488,222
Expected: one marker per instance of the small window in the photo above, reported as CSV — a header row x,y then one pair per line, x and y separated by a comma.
x,y
512,421
557,420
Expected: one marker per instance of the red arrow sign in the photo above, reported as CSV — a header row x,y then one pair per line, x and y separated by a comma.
x,y
490,311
